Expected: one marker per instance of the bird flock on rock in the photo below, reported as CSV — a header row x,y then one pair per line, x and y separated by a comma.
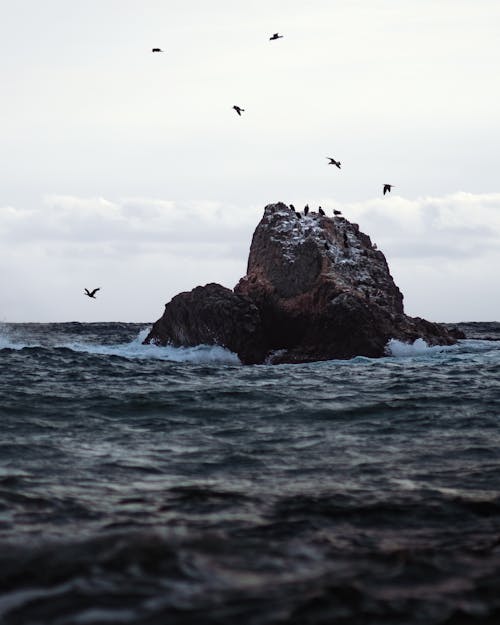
x,y
331,161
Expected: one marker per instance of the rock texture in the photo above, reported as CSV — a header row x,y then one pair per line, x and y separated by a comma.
x,y
315,289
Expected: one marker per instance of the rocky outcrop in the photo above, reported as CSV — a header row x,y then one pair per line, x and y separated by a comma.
x,y
315,289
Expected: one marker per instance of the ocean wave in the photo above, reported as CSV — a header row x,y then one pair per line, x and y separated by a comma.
x,y
200,354
419,348
7,342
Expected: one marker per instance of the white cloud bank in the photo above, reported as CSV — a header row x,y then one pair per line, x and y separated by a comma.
x,y
443,252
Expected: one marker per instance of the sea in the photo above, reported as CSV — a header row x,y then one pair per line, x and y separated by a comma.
x,y
161,486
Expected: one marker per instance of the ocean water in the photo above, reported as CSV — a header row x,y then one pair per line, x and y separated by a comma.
x,y
146,485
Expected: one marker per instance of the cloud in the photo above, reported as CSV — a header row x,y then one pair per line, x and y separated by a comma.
x,y
129,225
459,225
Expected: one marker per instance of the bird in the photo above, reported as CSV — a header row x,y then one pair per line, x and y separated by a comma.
x,y
336,212
387,188
275,36
92,293
306,209
156,50
333,161
299,216
321,211
238,109
292,207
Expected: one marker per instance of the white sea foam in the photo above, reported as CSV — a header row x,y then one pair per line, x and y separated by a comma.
x,y
7,342
417,348
136,350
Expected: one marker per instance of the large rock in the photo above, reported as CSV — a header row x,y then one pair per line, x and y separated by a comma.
x,y
315,289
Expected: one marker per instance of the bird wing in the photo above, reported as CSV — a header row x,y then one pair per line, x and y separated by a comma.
x,y
94,291
87,291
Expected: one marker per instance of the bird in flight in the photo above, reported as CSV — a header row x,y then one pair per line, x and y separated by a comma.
x,y
333,161
92,293
156,50
275,36
387,188
238,109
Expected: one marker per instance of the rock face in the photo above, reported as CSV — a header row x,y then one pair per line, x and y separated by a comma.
x,y
315,289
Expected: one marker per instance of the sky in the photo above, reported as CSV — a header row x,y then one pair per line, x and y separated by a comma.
x,y
129,171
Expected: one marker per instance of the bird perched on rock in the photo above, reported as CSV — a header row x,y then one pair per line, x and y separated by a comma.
x,y
387,188
333,161
238,109
299,216
306,209
91,293
275,36
336,212
156,50
292,207
321,211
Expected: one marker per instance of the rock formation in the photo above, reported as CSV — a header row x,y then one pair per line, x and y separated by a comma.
x,y
315,289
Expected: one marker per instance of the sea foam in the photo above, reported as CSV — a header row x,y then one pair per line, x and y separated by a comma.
x,y
417,348
199,354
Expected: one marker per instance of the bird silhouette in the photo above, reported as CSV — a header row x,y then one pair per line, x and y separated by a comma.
x,y
336,212
333,161
306,209
275,36
292,207
156,50
321,211
387,188
92,293
238,109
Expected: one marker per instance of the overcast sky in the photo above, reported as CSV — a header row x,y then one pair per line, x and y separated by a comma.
x,y
130,171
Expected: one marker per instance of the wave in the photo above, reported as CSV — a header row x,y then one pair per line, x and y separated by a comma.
x,y
15,339
200,354
7,342
419,347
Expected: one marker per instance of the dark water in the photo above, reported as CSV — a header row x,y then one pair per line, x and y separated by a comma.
x,y
151,485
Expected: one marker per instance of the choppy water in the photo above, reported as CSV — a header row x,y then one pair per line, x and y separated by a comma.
x,y
151,485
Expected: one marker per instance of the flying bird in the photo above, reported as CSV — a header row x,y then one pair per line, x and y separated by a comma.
x,y
92,293
275,36
156,50
387,188
333,161
238,109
